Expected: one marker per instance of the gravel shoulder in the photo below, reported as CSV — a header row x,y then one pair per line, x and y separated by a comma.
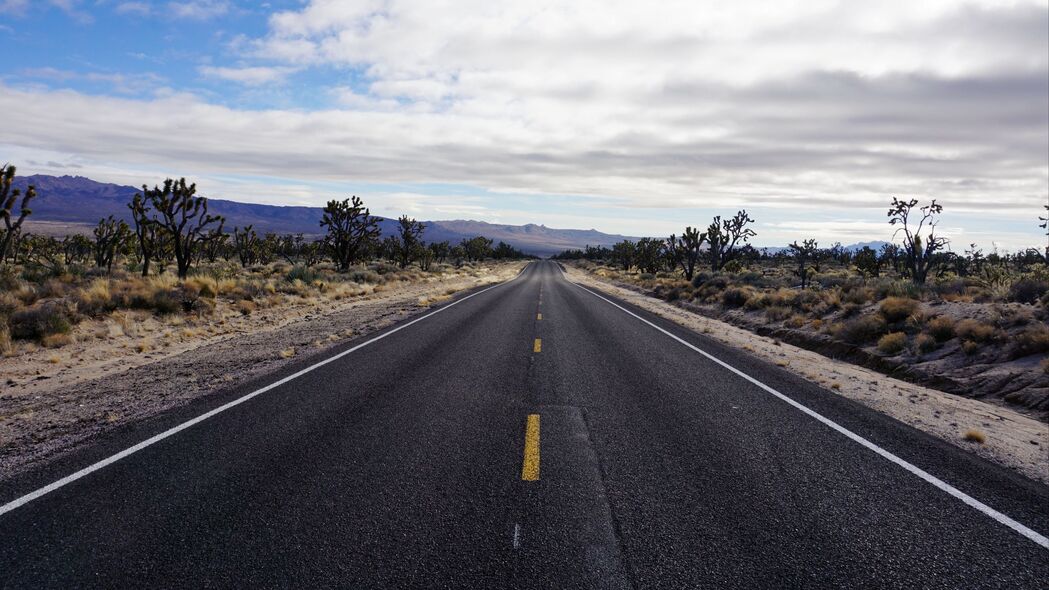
x,y
1012,439
51,405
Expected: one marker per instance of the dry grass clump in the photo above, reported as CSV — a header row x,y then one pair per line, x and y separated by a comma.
x,y
970,348
863,329
897,309
56,340
941,328
34,323
287,353
736,296
778,313
6,346
1033,339
246,306
973,435
1044,364
975,331
893,343
924,344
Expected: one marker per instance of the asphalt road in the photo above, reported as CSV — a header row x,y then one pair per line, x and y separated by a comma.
x,y
413,462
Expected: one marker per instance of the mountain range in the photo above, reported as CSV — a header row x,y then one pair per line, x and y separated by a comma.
x,y
76,203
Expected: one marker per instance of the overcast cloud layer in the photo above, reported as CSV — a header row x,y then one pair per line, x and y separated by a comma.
x,y
786,106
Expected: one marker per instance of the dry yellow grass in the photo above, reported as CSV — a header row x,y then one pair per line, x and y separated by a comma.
x,y
973,435
287,353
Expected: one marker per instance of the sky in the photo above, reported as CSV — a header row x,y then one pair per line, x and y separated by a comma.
x,y
627,117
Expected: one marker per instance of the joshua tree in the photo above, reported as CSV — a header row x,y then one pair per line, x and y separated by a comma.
x,y
803,253
184,218
8,198
685,251
147,230
623,253
477,248
408,242
76,248
919,253
247,245
867,262
1045,226
649,255
110,235
352,230
725,236
440,250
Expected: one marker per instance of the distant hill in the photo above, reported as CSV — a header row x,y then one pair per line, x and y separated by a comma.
x,y
75,203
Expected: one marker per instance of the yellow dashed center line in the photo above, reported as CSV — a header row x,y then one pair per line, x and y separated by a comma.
x,y
538,345
530,469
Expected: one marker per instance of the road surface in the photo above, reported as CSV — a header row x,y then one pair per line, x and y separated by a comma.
x,y
531,435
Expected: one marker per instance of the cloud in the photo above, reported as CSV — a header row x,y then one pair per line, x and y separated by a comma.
x,y
816,104
136,84
249,76
198,9
13,6
134,8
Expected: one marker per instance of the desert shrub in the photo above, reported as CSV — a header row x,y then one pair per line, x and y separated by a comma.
x,y
759,280
735,297
302,273
1028,290
672,294
851,310
53,317
953,286
797,321
924,343
94,299
975,331
970,348
903,289
700,278
1033,339
202,286
1045,365
6,347
858,295
778,313
56,340
892,343
646,276
830,280
806,300
714,286
166,302
973,435
246,307
364,276
9,303
863,329
897,309
941,328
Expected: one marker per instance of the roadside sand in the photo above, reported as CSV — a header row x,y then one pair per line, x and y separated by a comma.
x,y
1013,440
137,365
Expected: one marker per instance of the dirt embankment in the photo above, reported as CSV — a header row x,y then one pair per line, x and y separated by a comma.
x,y
1011,439
52,401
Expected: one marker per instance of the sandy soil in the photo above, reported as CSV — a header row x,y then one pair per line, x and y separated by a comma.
x,y
1012,439
136,365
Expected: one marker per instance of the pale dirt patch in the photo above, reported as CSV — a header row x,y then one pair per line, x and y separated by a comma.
x,y
1011,439
134,365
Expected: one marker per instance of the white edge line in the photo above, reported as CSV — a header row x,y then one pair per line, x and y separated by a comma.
x,y
1031,534
12,505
